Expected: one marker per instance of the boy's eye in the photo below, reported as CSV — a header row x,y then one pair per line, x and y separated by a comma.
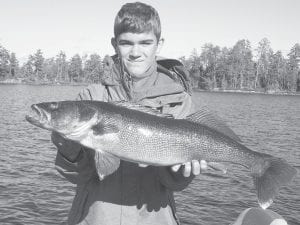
x,y
125,43
128,43
146,43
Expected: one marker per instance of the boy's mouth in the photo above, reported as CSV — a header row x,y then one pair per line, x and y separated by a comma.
x,y
135,61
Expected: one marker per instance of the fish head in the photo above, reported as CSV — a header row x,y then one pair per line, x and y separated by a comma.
x,y
66,117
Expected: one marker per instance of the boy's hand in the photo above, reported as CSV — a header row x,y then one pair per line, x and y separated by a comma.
x,y
194,167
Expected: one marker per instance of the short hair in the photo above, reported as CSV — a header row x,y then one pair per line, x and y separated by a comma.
x,y
137,18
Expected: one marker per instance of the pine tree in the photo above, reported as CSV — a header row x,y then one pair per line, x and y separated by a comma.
x,y
293,67
241,64
38,61
75,69
61,67
4,63
13,65
264,54
93,69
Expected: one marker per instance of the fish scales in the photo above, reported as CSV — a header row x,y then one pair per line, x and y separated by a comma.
x,y
168,140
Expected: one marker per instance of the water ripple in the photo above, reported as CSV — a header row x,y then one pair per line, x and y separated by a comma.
x,y
32,192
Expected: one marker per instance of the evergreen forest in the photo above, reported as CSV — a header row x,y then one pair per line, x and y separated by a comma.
x,y
211,68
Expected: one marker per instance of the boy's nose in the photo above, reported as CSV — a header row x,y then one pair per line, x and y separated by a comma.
x,y
135,52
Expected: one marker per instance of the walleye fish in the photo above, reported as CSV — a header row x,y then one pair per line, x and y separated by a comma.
x,y
138,134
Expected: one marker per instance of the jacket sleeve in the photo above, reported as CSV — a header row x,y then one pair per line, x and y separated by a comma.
x,y
175,180
80,168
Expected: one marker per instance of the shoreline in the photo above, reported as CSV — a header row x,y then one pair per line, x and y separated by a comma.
x,y
20,82
268,92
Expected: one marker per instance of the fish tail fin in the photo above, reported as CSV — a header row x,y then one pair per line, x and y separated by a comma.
x,y
269,175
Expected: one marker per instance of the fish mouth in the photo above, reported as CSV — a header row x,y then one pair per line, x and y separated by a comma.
x,y
38,117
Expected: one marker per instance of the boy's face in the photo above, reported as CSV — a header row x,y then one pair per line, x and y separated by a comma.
x,y
137,52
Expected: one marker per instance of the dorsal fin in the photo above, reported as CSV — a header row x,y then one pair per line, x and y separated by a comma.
x,y
141,108
206,117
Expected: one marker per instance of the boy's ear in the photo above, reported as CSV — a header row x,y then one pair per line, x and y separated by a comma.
x,y
160,45
113,42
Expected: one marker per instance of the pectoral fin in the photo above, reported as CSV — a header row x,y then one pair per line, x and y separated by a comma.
x,y
105,163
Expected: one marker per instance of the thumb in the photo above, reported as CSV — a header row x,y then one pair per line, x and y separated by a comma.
x,y
218,166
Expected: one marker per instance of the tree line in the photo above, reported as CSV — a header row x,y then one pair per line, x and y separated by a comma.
x,y
241,68
38,69
238,68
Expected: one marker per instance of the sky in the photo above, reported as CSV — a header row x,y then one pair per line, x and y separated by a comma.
x,y
86,26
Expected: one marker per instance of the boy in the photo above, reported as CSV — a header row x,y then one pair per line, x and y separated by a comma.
x,y
132,194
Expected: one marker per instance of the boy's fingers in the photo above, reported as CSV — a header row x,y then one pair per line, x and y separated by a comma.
x,y
187,169
196,167
203,165
176,167
142,165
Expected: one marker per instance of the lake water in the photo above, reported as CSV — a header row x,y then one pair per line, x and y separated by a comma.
x,y
32,192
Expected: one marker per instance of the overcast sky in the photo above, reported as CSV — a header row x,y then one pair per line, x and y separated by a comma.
x,y
86,26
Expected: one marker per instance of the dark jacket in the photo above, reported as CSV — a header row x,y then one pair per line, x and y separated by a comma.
x,y
131,195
